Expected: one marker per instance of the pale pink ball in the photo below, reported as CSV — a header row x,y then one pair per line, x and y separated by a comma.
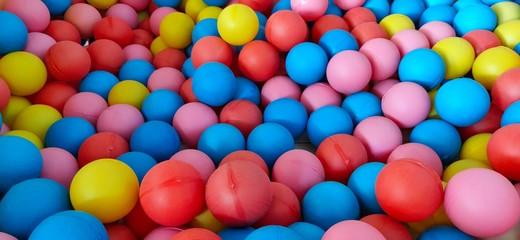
x,y
299,170
157,16
39,43
384,57
86,105
5,236
121,119
349,4
279,87
4,129
380,136
318,95
124,12
410,39
166,78
34,13
162,233
137,51
84,17
59,165
310,10
349,72
436,31
380,88
419,152
407,104
352,230
197,159
191,120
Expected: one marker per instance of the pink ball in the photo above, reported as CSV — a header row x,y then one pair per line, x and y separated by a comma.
x,y
161,233
137,51
166,78
383,56
84,17
299,170
482,202
86,105
436,31
197,159
279,87
380,136
121,119
419,152
349,72
410,39
191,120
284,209
138,5
39,43
352,230
310,10
4,129
124,12
59,165
34,13
157,16
349,4
318,95
5,236
407,104
380,88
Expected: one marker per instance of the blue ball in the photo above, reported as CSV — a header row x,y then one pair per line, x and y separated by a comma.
x,y
214,84
460,4
204,28
99,82
188,49
235,233
328,203
262,19
511,115
333,9
337,40
474,17
218,3
440,136
411,8
20,160
517,47
28,203
161,105
282,5
493,2
422,66
157,139
219,140
167,3
306,63
13,33
187,68
68,225
363,183
380,8
307,231
462,102
270,141
327,121
274,232
289,113
136,69
259,36
362,105
57,7
443,13
140,162
69,133
432,3
444,232
247,90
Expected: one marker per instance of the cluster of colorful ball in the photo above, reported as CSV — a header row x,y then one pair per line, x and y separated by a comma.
x,y
259,119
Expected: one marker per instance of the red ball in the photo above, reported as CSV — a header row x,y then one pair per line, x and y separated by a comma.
x,y
340,155
196,233
408,191
368,31
489,124
118,231
106,55
172,193
115,29
284,210
242,114
145,25
211,49
54,94
482,40
246,155
139,222
186,91
170,57
506,89
503,151
359,15
238,193
389,227
142,37
258,61
325,24
285,29
68,62
62,30
257,5
101,145
5,94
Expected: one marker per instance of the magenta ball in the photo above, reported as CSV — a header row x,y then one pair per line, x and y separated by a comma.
x,y
419,152
59,165
166,78
410,39
383,56
137,51
349,72
125,12
138,5
436,31
197,159
319,95
407,104
38,43
162,232
85,105
380,136
121,119
34,13
4,129
380,88
157,16
482,202
279,87
5,236
191,120
349,4
352,230
310,10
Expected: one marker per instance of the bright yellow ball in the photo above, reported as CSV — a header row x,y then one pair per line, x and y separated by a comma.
x,y
238,24
458,55
37,119
193,8
105,188
206,220
128,92
492,63
506,11
209,12
508,33
15,105
433,111
475,147
175,30
27,135
102,4
24,73
158,45
439,218
395,23
461,165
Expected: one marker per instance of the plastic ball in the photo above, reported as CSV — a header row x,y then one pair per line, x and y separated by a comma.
x,y
475,147
5,94
380,136
157,139
349,72
119,231
102,5
138,70
358,15
380,8
27,10
327,23
495,196
115,29
492,63
21,160
188,69
54,94
389,227
309,11
197,159
69,133
236,32
57,7
279,87
309,71
98,82
39,43
170,57
505,90
207,221
166,78
337,40
245,155
70,62
36,119
124,12
474,17
482,40
458,55
506,11
327,121
5,236
219,140
140,163
161,105
395,23
412,9
510,115
191,120
362,105
308,231
248,90
284,209
58,165
86,105
211,49
413,65
167,3
258,61
106,55
194,233
362,182
205,28
440,136
176,29
84,17
273,232
257,5
288,113
13,108
157,16
163,232
508,36
193,7
121,119
27,135
347,5
367,31
319,95
24,73
214,84
489,124
129,92
65,224
280,141
461,165
436,31
141,224
409,40
441,12
407,104
444,232
209,12
419,152
234,233
101,145
501,157
242,114
285,29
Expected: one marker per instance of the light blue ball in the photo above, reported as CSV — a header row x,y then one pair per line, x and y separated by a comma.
x,y
13,33
362,105
462,102
270,141
493,2
20,160
28,203
440,136
333,9
140,162
443,233
57,7
235,233
380,8
511,115
262,19
69,133
460,4
218,3
99,82
136,69
422,66
205,28
517,47
411,8
214,84
157,139
219,140
274,232
289,113
474,17
307,231
443,13
432,3
247,90
363,183
328,203
161,105
187,68
306,63
167,3
282,5
68,225
259,36
337,40
327,121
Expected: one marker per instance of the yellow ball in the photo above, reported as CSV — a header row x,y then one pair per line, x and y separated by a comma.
x,y
206,220
15,105
209,12
158,45
395,23
506,11
458,55
27,135
433,111
475,147
175,30
238,24
193,8
128,92
106,188
37,119
102,4
508,33
439,218
461,165
24,73
182,5
492,63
